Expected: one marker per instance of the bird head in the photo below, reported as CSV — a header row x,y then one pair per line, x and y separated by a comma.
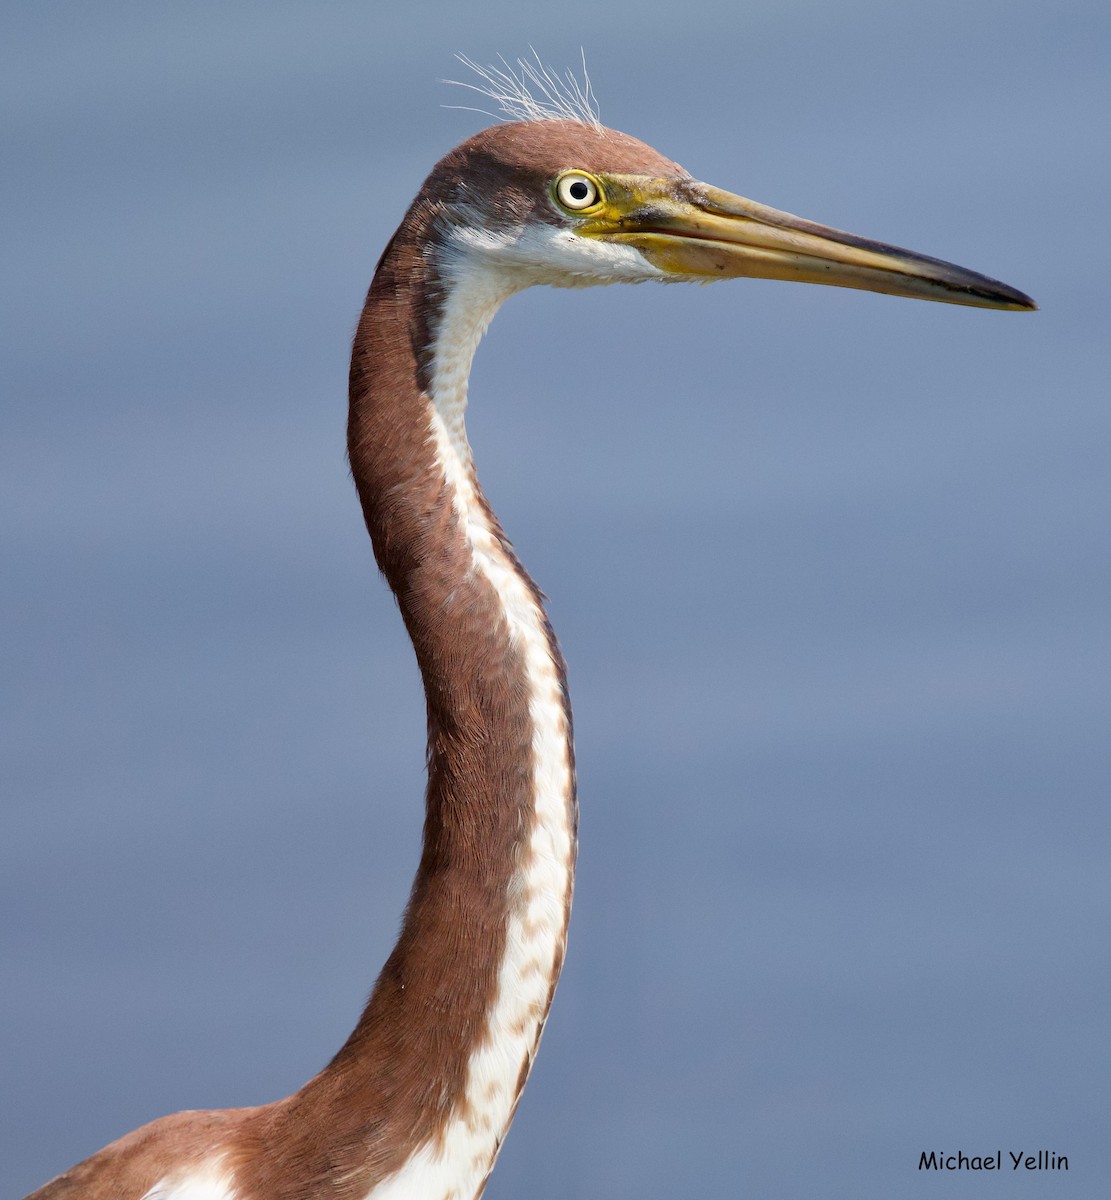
x,y
568,203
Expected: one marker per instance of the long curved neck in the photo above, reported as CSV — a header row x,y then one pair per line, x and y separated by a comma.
x,y
418,1100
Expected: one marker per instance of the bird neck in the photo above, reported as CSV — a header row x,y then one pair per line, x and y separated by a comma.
x,y
423,1092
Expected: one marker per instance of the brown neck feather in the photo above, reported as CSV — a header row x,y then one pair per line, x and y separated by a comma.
x,y
401,1074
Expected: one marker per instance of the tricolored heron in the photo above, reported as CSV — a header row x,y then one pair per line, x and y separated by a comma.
x,y
416,1103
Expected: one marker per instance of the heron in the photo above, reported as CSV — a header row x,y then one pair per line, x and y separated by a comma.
x,y
416,1103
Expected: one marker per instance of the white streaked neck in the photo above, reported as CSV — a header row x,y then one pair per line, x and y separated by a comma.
x,y
457,1163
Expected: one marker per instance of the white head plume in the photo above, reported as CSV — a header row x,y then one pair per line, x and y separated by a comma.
x,y
530,91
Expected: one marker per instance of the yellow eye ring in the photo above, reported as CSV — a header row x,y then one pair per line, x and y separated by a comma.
x,y
577,192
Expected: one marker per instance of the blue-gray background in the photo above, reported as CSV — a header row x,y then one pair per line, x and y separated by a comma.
x,y
828,569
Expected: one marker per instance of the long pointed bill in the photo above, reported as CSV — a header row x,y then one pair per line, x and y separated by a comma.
x,y
696,231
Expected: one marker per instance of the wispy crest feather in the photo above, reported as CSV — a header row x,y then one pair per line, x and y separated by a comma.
x,y
530,91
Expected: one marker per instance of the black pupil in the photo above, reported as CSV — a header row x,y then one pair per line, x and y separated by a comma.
x,y
579,190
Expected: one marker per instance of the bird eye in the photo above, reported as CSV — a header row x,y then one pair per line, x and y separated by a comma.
x,y
577,191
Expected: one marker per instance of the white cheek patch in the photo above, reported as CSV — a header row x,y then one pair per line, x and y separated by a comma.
x,y
549,254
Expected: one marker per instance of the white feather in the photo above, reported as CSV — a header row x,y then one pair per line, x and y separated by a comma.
x,y
207,1182
513,259
530,91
